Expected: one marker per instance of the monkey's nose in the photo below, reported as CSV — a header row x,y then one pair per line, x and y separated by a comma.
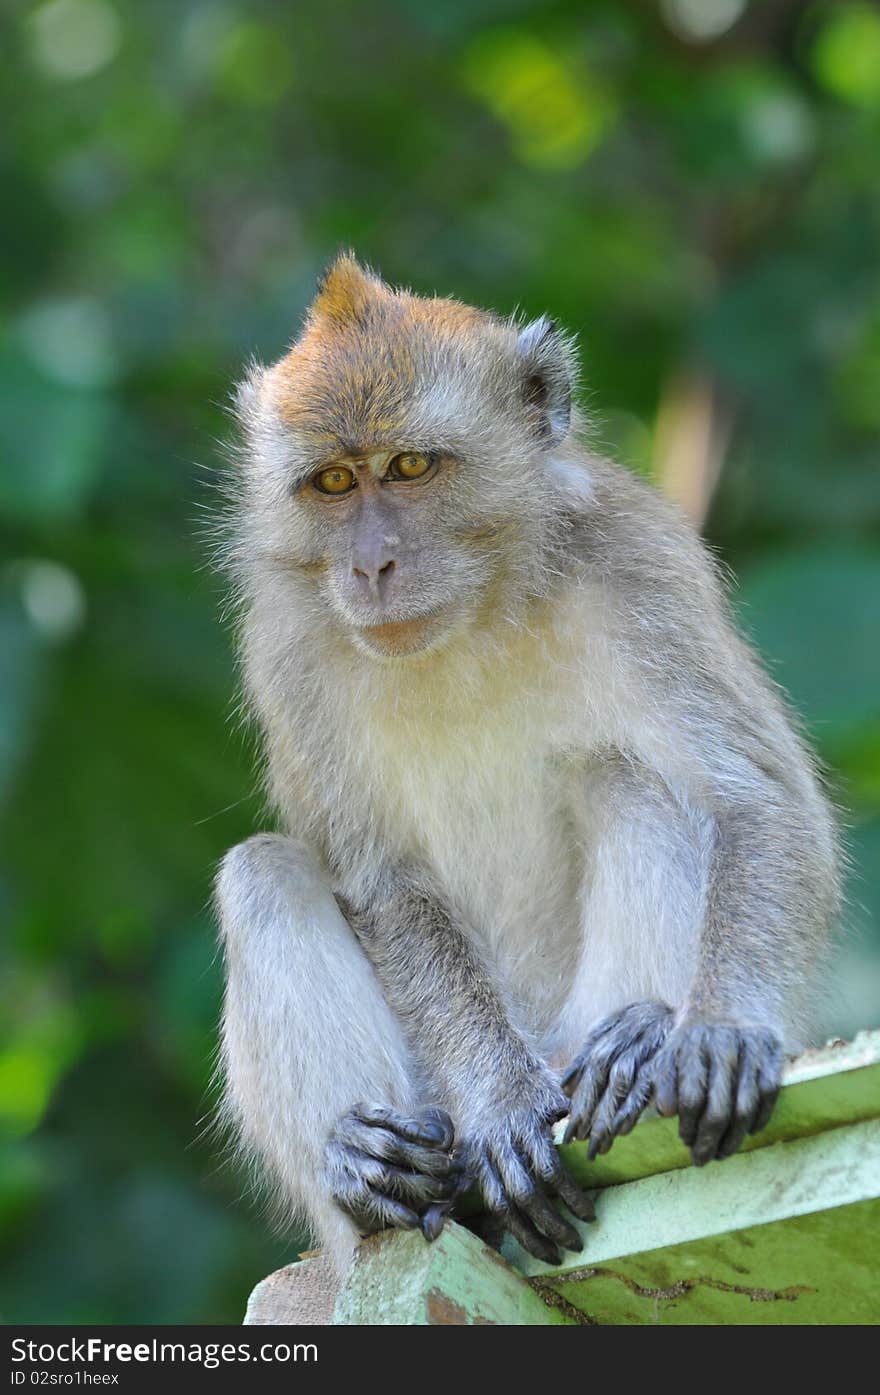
x,y
375,578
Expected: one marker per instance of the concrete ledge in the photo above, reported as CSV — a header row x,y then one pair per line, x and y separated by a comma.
x,y
300,1293
785,1232
398,1279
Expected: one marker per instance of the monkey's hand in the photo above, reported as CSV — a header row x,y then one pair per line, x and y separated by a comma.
x,y
610,1081
511,1158
722,1082
386,1169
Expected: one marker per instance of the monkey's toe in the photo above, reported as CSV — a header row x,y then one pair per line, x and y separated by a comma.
x,y
433,1220
387,1169
430,1128
419,1144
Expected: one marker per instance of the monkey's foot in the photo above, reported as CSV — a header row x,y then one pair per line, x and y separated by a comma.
x,y
721,1081
609,1083
391,1170
514,1163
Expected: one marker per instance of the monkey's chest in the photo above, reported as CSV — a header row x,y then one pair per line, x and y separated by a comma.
x,y
496,825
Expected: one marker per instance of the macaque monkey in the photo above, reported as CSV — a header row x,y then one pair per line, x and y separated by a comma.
x,y
548,841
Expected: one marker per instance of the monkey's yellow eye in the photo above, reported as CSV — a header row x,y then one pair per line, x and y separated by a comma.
x,y
336,479
410,465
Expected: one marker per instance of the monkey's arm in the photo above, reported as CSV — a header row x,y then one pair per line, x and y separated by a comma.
x,y
742,880
715,1057
771,896
503,1098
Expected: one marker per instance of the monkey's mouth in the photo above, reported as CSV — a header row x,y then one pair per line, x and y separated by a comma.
x,y
398,638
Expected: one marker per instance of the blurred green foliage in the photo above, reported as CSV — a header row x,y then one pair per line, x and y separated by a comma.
x,y
690,186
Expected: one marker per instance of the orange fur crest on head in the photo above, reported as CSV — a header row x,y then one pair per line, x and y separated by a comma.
x,y
365,350
346,290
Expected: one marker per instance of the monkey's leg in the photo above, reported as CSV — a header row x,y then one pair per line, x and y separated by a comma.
x,y
503,1096
319,1081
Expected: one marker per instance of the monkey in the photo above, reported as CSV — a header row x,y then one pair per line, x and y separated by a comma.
x,y
549,842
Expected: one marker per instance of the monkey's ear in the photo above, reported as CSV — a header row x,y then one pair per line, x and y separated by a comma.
x,y
548,363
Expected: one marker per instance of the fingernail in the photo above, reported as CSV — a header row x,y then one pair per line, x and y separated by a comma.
x,y
432,1223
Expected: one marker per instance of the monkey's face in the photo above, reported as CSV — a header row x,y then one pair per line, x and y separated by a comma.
x,y
402,461
396,562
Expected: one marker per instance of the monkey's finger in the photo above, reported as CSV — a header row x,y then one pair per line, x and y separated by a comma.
x,y
519,1184
722,1062
664,1081
746,1099
653,1038
569,1081
593,1076
620,1082
414,1189
633,1106
557,1179
490,1183
593,1061
429,1161
692,1084
635,1102
592,1057
769,1083
519,1226
468,1175
571,1128
639,1030
600,1142
499,1203
433,1128
522,1229
605,1027
530,1202
548,1221
589,1062
636,1037
529,1173
577,1200
584,1100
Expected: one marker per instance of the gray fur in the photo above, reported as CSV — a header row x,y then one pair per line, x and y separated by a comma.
x,y
581,794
